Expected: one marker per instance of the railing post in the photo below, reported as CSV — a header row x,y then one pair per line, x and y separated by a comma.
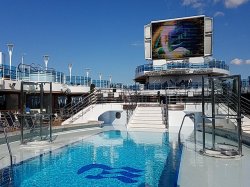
x,y
166,109
50,112
203,116
41,110
213,114
239,115
23,104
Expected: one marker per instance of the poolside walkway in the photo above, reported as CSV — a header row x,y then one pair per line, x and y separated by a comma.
x,y
29,150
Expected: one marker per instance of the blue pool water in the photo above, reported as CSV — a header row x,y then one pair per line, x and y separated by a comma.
x,y
111,159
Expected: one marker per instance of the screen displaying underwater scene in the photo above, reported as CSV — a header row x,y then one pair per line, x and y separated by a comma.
x,y
178,39
111,158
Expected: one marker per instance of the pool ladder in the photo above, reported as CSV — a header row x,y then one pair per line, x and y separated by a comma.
x,y
8,146
192,116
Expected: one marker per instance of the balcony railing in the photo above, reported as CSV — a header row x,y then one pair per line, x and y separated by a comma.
x,y
182,65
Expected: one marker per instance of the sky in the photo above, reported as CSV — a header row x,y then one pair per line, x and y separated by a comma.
x,y
107,35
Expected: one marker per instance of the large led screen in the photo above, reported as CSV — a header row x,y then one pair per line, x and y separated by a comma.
x,y
178,39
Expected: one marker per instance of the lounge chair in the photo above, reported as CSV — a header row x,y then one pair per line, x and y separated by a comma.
x,y
11,121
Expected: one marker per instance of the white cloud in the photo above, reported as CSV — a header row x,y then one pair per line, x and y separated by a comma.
x,y
193,3
137,43
216,14
232,3
238,61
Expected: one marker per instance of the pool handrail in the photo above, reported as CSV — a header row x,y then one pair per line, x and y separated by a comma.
x,y
8,146
191,115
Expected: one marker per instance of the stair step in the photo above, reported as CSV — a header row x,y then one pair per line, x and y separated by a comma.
x,y
147,117
144,118
149,109
146,122
147,126
148,129
149,114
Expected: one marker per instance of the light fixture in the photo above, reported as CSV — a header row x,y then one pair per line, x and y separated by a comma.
x,y
46,61
10,49
70,70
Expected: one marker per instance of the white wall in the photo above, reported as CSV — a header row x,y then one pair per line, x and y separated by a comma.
x,y
109,117
93,112
196,60
159,62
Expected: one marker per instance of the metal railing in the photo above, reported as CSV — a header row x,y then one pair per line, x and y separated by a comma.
x,y
71,109
8,146
131,103
226,94
182,65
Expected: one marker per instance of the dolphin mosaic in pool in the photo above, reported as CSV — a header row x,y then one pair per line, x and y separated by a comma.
x,y
123,174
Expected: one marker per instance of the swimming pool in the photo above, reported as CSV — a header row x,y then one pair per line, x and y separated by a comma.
x,y
112,158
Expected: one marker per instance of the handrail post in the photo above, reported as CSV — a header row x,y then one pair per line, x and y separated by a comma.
x,y
213,114
203,116
166,109
239,115
50,112
23,104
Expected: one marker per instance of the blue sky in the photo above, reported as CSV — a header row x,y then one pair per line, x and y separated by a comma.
x,y
107,35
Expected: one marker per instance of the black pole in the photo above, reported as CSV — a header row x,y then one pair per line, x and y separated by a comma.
x,y
166,110
213,114
41,108
203,116
22,103
50,112
239,115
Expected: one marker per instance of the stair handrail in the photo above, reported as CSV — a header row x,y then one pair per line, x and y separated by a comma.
x,y
245,103
87,101
130,103
73,109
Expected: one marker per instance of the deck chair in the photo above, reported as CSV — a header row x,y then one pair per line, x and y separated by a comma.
x,y
14,119
28,121
11,123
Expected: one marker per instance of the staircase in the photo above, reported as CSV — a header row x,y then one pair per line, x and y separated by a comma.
x,y
73,112
147,117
